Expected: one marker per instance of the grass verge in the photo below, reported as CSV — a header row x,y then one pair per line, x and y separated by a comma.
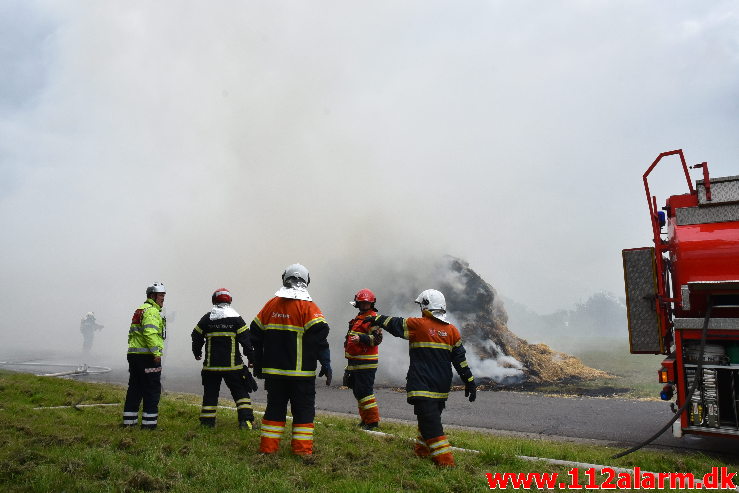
x,y
84,450
636,374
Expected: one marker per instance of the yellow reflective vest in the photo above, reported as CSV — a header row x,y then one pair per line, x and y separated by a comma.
x,y
146,335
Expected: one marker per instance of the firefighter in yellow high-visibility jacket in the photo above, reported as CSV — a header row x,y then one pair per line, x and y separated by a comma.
x,y
145,345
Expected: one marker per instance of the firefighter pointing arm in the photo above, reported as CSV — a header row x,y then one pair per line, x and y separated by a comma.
x,y
435,346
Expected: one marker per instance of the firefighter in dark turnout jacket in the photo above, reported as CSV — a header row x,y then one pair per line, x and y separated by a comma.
x,y
434,347
289,336
362,352
222,330
145,346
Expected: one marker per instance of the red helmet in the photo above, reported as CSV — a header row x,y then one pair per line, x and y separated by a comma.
x,y
365,295
221,295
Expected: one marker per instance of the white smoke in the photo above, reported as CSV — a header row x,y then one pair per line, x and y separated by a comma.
x,y
502,369
398,287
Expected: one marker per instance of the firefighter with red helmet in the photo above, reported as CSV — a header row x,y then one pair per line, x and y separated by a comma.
x,y
222,331
434,347
361,348
289,336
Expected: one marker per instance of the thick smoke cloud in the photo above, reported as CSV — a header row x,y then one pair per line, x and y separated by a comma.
x,y
212,145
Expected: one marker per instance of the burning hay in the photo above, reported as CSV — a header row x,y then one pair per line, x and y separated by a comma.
x,y
495,353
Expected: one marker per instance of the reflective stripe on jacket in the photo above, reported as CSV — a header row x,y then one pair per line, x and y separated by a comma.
x,y
434,347
146,334
221,338
289,337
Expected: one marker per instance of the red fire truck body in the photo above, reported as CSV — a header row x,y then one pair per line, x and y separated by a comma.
x,y
683,299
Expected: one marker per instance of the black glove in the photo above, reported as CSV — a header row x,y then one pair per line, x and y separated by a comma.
x,y
326,371
251,384
258,372
348,379
470,390
377,336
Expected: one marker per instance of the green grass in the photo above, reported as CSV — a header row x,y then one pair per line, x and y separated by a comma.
x,y
633,376
636,372
84,450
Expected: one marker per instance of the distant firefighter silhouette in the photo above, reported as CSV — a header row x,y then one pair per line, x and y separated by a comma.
x,y
88,327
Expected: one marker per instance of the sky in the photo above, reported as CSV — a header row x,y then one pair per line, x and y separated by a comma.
x,y
211,144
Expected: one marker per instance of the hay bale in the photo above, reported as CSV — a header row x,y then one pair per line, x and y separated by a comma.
x,y
482,319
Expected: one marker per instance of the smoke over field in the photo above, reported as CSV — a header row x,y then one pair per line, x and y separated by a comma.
x,y
495,354
211,144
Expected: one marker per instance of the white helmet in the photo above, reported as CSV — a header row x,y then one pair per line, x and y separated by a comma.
x,y
298,271
89,315
157,287
431,300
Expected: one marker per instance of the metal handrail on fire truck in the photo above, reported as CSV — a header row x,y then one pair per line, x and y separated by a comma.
x,y
661,246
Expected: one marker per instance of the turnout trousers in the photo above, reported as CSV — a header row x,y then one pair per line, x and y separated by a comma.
x,y
431,440
301,394
362,385
211,389
144,384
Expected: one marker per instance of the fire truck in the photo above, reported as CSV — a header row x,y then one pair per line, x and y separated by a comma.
x,y
682,297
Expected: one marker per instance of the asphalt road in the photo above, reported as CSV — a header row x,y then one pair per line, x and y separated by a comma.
x,y
608,421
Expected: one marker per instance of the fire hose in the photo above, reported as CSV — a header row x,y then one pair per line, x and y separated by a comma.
x,y
79,370
688,397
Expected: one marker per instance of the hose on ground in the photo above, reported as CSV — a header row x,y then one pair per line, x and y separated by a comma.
x,y
688,397
83,369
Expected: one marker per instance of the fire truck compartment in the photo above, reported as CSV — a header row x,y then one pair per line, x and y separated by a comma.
x,y
713,324
724,189
641,292
686,216
714,407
